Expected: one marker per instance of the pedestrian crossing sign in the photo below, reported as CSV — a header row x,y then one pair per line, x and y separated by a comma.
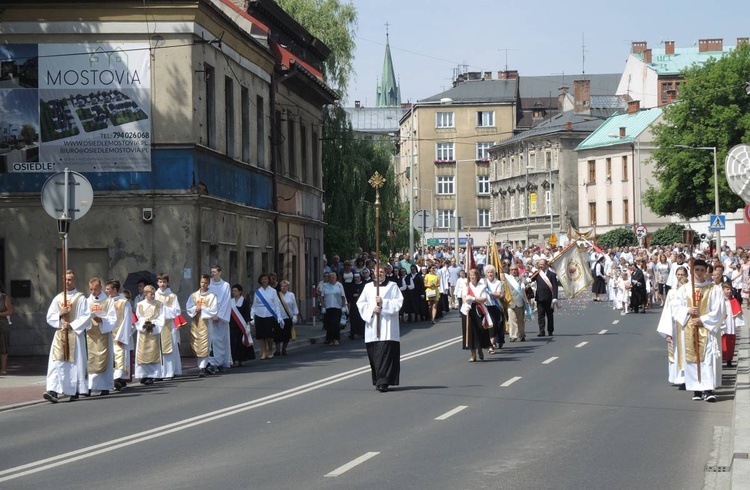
x,y
717,222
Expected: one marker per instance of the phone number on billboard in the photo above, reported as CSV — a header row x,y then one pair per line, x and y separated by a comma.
x,y
132,134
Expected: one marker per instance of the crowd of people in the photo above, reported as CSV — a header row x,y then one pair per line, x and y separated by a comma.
x,y
700,291
96,335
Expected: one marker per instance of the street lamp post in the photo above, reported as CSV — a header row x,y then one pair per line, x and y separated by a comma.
x,y
716,186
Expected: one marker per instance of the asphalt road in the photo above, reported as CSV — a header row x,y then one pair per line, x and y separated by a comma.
x,y
587,408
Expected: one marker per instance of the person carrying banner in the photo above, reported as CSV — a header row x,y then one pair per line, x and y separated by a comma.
x,y
546,297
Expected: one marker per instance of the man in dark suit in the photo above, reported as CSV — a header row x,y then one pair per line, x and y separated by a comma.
x,y
546,297
638,287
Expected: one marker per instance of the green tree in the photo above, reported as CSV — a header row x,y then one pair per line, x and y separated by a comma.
x,y
619,237
348,164
712,110
333,22
668,235
28,134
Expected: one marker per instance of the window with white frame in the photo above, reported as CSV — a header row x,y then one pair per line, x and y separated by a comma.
x,y
548,202
483,218
444,151
512,199
522,205
485,119
444,120
483,149
445,218
445,185
483,185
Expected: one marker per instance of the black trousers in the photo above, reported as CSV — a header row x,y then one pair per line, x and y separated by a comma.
x,y
545,315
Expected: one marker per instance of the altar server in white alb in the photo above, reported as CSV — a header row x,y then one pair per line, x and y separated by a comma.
x,y
201,306
170,336
148,359
672,332
99,346
699,308
379,310
66,368
220,341
122,334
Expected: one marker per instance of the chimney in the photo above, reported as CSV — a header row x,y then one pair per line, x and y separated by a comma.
x,y
488,75
622,132
668,47
638,47
647,56
511,74
710,45
671,95
475,75
569,126
357,104
742,41
582,96
634,106
561,95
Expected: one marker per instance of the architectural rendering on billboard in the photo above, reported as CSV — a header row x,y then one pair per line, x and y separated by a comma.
x,y
85,107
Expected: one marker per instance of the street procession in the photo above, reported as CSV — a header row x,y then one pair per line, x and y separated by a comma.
x,y
342,244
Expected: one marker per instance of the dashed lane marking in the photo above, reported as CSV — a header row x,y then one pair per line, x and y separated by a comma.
x,y
451,413
351,464
510,381
602,332
550,360
581,344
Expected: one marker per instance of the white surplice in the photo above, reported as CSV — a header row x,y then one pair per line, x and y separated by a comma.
x,y
69,377
208,312
171,363
150,370
392,300
668,327
108,316
712,319
220,329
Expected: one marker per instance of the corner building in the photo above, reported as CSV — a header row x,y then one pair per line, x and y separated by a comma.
x,y
177,133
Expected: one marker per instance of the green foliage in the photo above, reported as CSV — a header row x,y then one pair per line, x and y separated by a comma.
x,y
668,235
348,164
619,237
29,134
712,110
333,22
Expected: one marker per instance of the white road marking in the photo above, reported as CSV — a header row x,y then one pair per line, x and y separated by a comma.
x,y
602,332
108,446
550,360
452,412
510,381
343,469
581,344
615,322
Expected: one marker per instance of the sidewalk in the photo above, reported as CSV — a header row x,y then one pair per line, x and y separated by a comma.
x,y
26,379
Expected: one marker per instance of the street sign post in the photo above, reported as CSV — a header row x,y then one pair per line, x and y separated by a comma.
x,y
422,221
641,232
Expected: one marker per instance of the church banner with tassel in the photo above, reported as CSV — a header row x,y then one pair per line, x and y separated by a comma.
x,y
573,272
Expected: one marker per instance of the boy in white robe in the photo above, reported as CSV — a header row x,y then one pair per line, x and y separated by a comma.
x,y
671,331
148,357
122,334
99,339
66,371
219,325
202,307
382,332
701,315
170,336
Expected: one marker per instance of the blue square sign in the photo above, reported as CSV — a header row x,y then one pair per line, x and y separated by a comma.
x,y
717,222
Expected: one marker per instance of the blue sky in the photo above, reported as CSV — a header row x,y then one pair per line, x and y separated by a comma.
x,y
429,39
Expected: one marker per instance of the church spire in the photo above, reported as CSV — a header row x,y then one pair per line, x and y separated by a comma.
x,y
388,93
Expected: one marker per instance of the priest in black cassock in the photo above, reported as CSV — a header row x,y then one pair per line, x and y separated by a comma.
x,y
382,342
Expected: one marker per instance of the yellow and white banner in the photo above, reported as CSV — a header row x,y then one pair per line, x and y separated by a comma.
x,y
573,271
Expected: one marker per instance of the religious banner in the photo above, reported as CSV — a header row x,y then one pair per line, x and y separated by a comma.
x,y
573,272
85,107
